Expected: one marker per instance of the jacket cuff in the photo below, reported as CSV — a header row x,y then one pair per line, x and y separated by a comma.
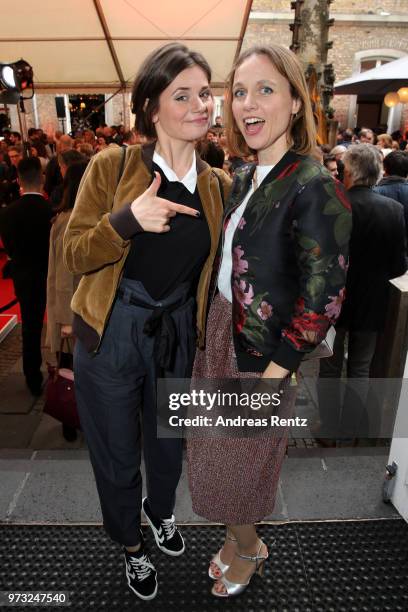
x,y
124,223
287,357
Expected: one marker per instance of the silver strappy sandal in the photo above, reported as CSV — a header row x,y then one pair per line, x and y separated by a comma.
x,y
234,588
217,561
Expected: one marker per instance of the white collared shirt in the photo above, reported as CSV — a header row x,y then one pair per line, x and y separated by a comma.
x,y
224,277
189,180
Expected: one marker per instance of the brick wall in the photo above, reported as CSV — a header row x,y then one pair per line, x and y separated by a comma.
x,y
47,113
348,40
339,6
271,5
264,33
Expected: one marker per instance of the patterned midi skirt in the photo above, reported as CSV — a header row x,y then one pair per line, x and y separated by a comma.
x,y
233,480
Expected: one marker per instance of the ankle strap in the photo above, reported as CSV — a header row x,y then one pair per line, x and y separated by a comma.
x,y
254,558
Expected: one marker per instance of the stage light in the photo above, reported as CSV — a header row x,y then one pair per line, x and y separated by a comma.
x,y
23,75
7,76
15,78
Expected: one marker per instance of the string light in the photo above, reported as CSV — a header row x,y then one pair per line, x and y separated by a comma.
x,y
391,99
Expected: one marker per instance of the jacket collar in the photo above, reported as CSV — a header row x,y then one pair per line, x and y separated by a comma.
x,y
244,174
290,157
359,188
387,180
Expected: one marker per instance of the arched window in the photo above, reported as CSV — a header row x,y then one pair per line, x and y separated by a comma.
x,y
369,110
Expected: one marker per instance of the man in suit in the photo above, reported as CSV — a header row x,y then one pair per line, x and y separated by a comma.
x,y
394,184
25,228
377,254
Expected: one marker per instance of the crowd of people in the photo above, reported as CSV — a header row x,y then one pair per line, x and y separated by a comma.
x,y
212,148
118,233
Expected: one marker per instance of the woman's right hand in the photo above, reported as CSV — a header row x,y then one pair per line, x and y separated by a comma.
x,y
154,213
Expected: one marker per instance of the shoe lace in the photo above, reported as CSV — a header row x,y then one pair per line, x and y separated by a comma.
x,y
169,527
142,566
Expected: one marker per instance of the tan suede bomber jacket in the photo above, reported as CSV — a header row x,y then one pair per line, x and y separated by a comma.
x,y
95,249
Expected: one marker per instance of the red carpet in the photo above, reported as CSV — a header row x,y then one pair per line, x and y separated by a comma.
x,y
7,290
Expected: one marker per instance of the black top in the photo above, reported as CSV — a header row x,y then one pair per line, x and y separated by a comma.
x,y
9,187
163,261
395,187
25,228
377,254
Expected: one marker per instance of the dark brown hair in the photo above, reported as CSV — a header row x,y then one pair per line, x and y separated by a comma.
x,y
302,128
72,156
40,147
29,171
70,184
158,70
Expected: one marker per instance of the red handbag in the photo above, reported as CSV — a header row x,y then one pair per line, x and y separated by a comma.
x,y
60,401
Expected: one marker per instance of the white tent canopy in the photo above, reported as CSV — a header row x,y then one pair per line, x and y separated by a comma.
x,y
379,81
98,45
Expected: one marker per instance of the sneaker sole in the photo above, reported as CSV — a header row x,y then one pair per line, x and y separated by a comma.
x,y
159,545
144,597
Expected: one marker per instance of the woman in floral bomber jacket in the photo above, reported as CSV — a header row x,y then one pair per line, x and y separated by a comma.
x,y
280,286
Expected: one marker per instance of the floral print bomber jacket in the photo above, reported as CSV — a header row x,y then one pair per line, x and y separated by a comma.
x,y
290,257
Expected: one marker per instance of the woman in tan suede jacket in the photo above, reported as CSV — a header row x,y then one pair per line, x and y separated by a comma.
x,y
144,234
61,284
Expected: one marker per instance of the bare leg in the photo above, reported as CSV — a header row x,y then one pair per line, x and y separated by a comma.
x,y
227,553
248,543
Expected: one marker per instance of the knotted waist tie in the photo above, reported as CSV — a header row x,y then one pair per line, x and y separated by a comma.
x,y
161,325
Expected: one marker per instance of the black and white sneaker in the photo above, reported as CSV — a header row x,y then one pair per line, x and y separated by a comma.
x,y
141,574
167,536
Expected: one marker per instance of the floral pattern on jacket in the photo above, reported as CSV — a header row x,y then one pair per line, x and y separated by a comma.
x,y
290,253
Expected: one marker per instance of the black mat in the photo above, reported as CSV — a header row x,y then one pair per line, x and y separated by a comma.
x,y
359,566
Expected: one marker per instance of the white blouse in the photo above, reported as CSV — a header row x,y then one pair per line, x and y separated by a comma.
x,y
224,278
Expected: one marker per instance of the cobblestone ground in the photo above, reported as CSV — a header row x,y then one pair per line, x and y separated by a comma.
x,y
10,351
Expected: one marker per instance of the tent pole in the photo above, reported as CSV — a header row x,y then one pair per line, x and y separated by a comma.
x,y
21,113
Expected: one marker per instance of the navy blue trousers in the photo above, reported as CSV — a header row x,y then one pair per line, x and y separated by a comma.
x,y
116,398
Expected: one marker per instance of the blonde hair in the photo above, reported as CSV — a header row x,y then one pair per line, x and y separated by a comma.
x,y
302,128
387,140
